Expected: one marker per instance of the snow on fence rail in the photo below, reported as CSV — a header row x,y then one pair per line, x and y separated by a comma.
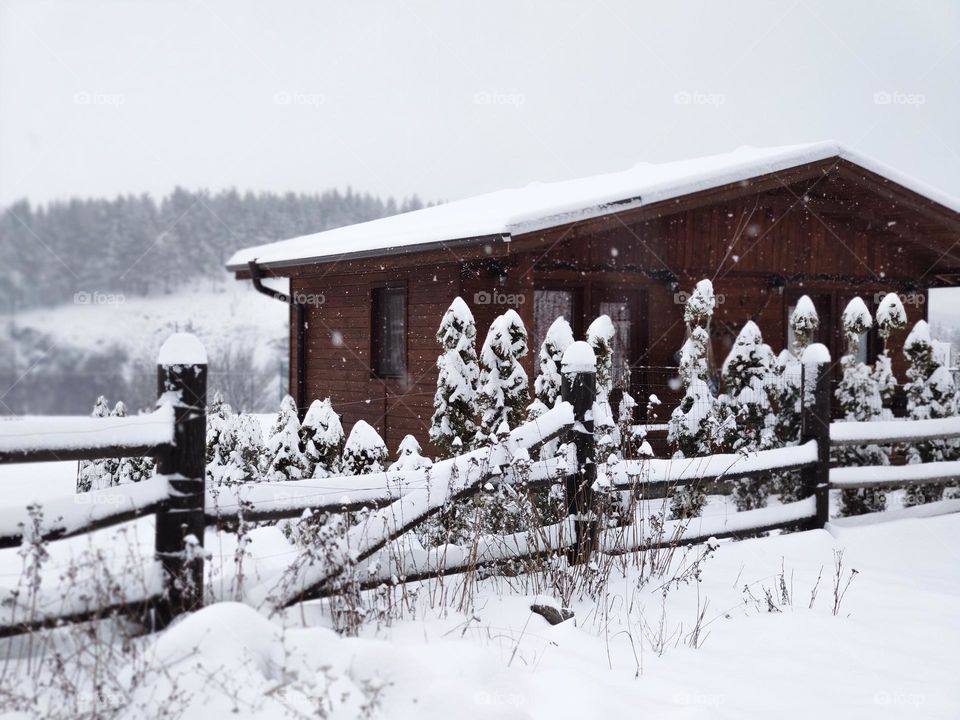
x,y
398,501
888,432
265,501
655,473
82,513
45,439
893,476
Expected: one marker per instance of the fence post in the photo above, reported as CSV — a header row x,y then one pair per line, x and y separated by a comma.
x,y
182,383
578,387
815,479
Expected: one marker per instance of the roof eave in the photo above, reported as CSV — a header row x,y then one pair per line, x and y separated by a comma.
x,y
241,267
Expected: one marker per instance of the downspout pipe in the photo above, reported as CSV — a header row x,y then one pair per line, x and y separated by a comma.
x,y
301,341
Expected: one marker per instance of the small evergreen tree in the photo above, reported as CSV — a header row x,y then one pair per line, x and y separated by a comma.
x,y
503,395
453,423
891,316
246,448
785,392
859,398
364,451
804,322
285,461
931,393
321,439
692,424
96,474
600,336
786,401
127,470
748,423
547,384
409,457
219,439
134,469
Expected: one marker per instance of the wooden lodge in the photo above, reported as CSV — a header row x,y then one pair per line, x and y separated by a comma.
x,y
765,225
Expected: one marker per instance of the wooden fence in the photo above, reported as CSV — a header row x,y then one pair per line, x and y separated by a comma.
x,y
398,501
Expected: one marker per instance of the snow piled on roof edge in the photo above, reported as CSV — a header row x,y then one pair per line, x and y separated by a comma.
x,y
543,205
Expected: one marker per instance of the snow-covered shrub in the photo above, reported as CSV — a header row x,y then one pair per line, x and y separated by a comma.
x,y
284,460
110,472
364,451
453,424
134,469
246,448
600,336
786,401
409,457
321,439
931,393
785,392
858,397
96,474
503,396
692,424
219,438
633,438
547,384
747,421
804,322
891,316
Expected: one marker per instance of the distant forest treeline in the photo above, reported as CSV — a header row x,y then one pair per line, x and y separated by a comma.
x,y
138,246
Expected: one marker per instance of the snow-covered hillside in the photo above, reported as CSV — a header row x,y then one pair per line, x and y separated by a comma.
x,y
120,336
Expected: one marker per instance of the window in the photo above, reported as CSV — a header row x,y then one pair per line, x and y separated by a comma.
x,y
619,313
389,332
548,305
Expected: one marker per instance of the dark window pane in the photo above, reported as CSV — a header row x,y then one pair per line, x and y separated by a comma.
x,y
389,332
548,305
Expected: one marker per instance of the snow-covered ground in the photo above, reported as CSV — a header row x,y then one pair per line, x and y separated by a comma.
x,y
889,651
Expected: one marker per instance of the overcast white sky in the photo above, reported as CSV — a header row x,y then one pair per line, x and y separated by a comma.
x,y
448,100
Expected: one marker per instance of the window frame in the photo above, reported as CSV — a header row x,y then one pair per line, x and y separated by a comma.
x,y
377,291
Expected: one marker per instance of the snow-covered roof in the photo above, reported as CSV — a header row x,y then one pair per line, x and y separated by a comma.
x,y
542,205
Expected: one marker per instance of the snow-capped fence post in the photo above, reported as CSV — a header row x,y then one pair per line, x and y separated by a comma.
x,y
182,383
578,387
815,478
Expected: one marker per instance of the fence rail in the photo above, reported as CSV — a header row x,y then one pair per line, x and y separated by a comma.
x,y
399,501
44,439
